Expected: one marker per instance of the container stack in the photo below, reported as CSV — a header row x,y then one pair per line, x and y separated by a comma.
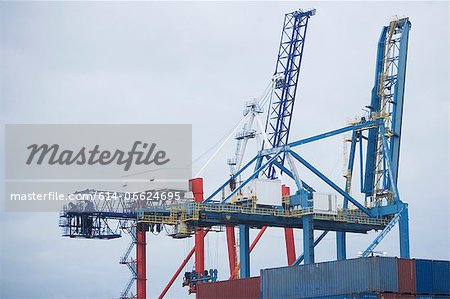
x,y
432,278
362,278
374,277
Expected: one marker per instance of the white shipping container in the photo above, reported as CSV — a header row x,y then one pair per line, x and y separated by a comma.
x,y
267,192
325,203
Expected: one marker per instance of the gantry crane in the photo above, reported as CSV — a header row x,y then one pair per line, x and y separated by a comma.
x,y
379,133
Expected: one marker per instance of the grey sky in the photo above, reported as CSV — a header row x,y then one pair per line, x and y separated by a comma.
x,y
197,63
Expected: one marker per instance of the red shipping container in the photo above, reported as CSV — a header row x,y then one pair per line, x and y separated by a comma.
x,y
246,288
406,276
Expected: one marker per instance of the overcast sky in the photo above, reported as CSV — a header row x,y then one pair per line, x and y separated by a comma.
x,y
197,63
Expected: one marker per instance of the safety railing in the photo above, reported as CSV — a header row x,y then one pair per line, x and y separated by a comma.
x,y
190,212
155,218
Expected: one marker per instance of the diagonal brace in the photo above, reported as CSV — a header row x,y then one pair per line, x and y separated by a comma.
x,y
330,183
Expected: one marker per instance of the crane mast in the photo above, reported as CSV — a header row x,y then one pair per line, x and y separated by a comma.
x,y
287,70
386,104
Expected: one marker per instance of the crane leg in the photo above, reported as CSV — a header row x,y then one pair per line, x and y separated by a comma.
x,y
141,282
403,225
341,246
196,186
244,250
308,239
290,244
200,251
231,242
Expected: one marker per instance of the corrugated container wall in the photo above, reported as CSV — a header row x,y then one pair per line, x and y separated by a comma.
x,y
424,276
350,296
406,276
362,275
246,288
441,277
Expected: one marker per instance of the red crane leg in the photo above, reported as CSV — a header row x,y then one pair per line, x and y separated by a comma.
x,y
141,243
196,186
255,241
290,244
199,251
231,242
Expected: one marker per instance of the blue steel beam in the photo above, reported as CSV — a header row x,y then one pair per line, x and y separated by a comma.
x,y
244,250
301,257
369,177
308,233
399,91
403,229
330,183
392,209
357,127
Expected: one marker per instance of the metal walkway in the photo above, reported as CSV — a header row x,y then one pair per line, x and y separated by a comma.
x,y
207,215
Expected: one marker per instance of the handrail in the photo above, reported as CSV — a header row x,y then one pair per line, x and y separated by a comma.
x,y
191,211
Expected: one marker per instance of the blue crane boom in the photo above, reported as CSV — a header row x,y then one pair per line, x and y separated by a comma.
x,y
287,70
387,103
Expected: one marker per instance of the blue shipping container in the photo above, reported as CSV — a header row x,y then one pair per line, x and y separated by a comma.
x,y
441,277
424,276
362,275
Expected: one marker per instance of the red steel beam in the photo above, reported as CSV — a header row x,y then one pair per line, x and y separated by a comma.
x,y
174,277
183,264
290,245
231,242
199,251
141,285
196,186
